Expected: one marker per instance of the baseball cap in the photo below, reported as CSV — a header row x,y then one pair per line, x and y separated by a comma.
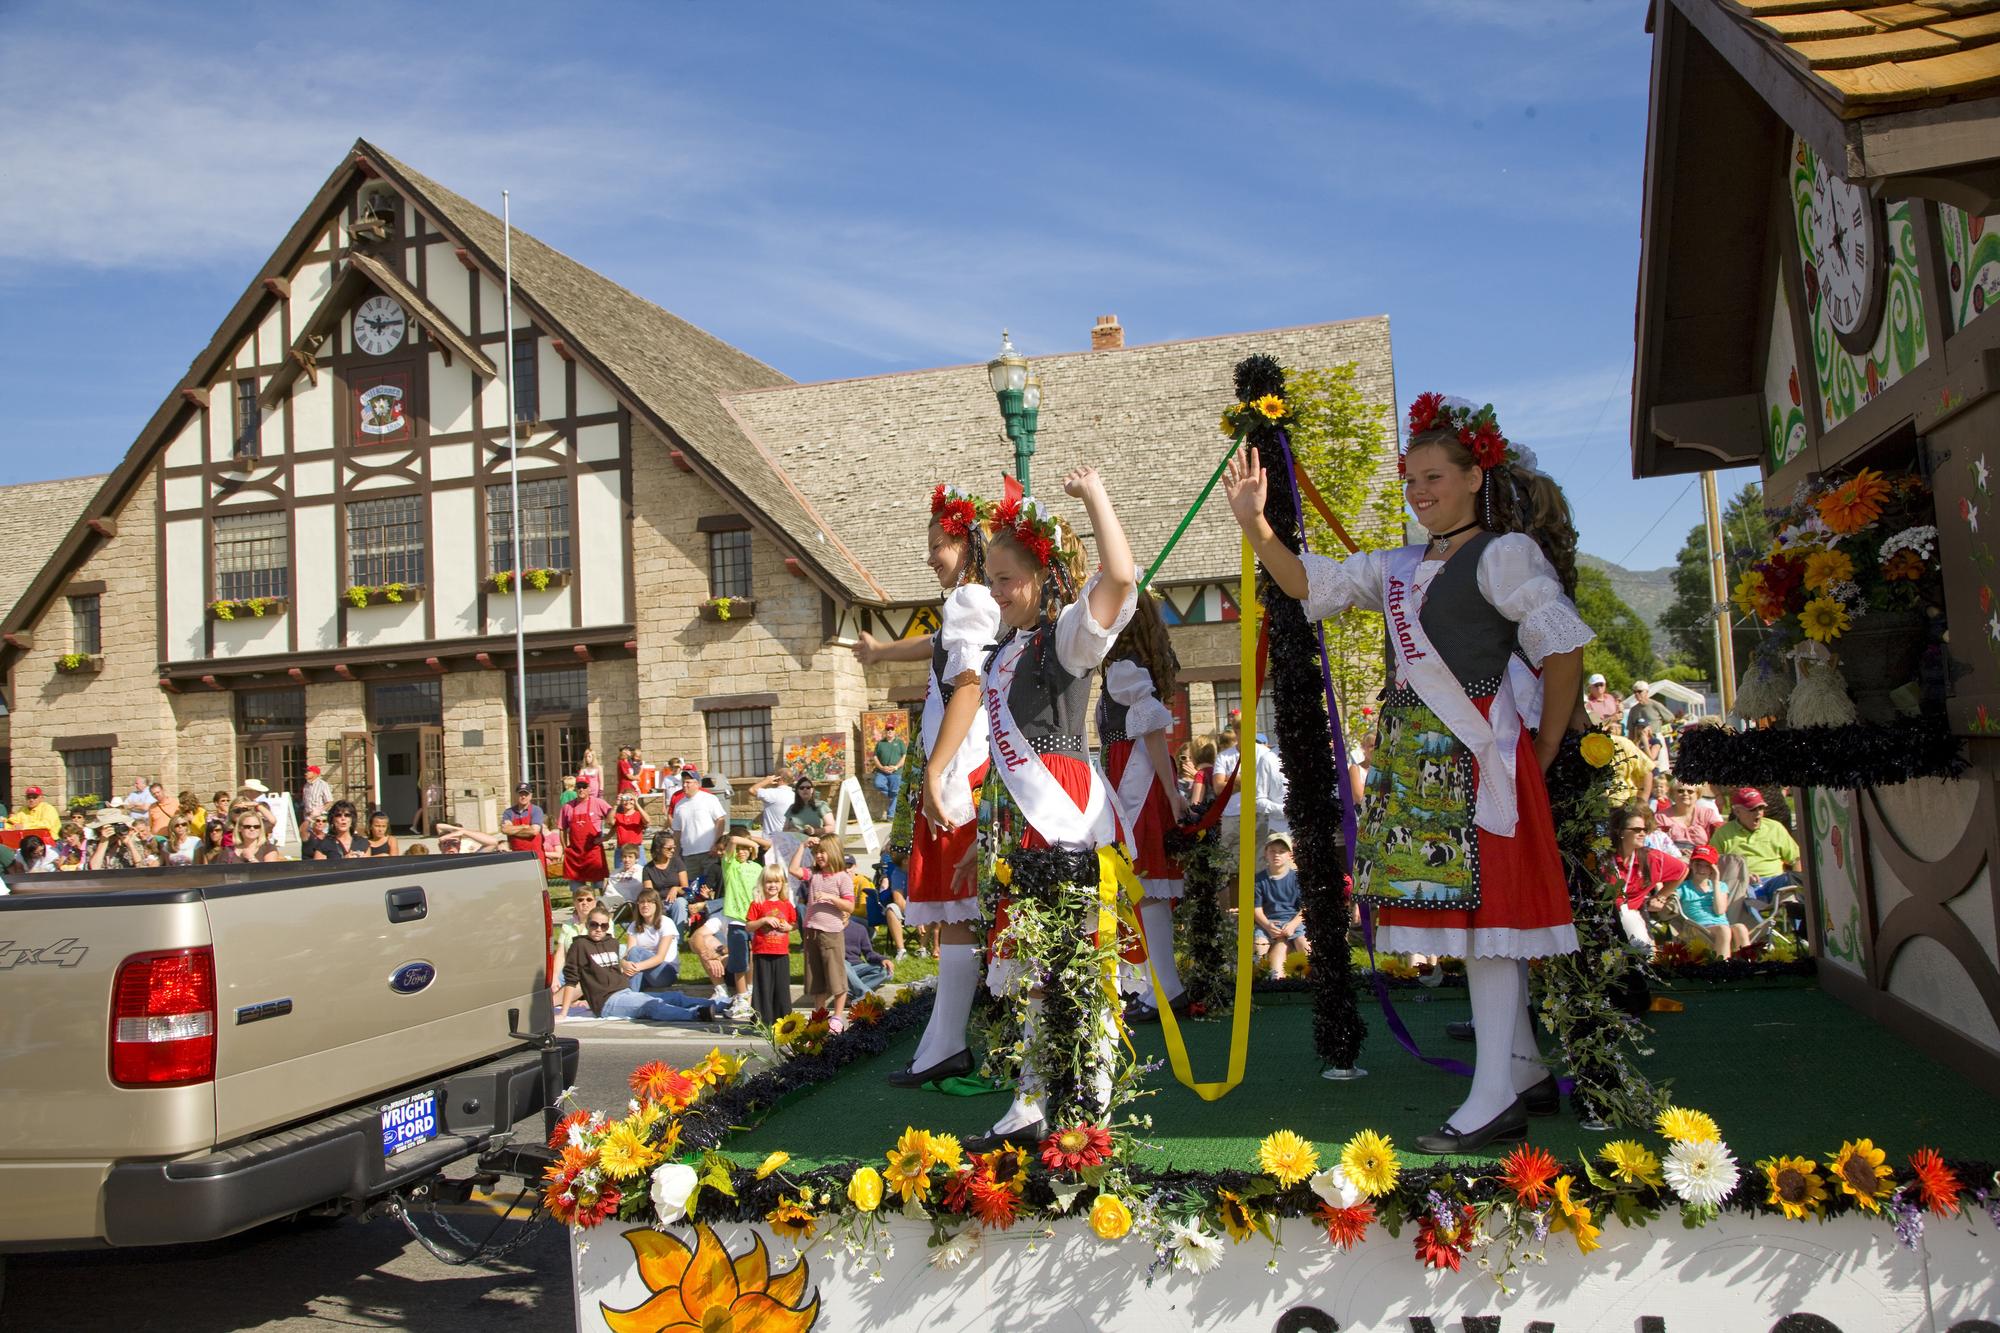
x,y
34,791
1704,854
690,775
524,789
312,770
1747,796
1285,838
1596,678
1638,685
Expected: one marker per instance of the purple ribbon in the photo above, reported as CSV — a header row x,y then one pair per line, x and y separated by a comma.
x,y
1397,1029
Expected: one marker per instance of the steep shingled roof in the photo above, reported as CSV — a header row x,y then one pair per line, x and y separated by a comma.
x,y
671,367
868,451
1874,57
34,518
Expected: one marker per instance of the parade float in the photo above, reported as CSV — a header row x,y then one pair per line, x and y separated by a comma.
x,y
1794,1143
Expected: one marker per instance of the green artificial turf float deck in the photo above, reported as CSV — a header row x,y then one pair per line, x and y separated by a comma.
x,y
1781,1068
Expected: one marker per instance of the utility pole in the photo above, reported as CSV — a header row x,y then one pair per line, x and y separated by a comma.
x,y
1718,587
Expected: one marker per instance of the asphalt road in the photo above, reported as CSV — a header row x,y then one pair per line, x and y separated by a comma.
x,y
328,1274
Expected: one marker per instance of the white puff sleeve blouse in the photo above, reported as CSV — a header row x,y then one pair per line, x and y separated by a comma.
x,y
1522,585
970,624
1130,684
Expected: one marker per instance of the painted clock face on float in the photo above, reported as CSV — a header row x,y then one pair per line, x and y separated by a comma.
x,y
1849,249
379,323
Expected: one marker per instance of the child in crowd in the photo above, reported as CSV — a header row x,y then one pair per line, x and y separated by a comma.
x,y
741,874
829,899
622,889
1281,918
1704,899
771,920
866,969
890,901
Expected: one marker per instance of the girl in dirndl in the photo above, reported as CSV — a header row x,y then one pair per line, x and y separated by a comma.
x,y
1133,726
1060,628
953,754
1456,851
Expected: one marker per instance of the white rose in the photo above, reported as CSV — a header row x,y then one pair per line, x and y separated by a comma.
x,y
1334,1189
672,1184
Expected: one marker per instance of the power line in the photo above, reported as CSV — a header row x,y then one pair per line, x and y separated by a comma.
x,y
1656,522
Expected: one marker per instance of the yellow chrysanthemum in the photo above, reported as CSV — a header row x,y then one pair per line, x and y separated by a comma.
x,y
1369,1159
1598,749
622,1153
1571,1216
1271,405
1109,1217
1860,1171
772,1163
1684,1126
722,1069
945,1151
1825,568
1795,1185
864,1189
1631,1162
1287,1158
1824,619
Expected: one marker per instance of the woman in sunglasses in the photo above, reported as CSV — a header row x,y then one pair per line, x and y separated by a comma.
x,y
252,841
592,973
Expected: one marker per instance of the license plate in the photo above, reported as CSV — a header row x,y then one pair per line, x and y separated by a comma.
x,y
409,1121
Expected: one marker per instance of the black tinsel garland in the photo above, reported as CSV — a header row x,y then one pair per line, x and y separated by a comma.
x,y
1861,754
1315,779
1211,957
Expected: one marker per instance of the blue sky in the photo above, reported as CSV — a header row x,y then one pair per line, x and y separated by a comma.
x,y
858,188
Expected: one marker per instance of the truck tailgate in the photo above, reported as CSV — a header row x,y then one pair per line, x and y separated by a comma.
x,y
340,980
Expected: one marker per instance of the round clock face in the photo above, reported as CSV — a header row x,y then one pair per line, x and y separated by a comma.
x,y
379,325
1849,256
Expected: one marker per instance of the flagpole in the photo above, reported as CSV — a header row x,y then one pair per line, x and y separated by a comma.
x,y
514,485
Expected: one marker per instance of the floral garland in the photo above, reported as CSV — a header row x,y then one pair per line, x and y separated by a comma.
x,y
1031,524
1859,754
1478,429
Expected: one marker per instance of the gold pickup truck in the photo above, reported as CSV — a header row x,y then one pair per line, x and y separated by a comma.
x,y
189,1052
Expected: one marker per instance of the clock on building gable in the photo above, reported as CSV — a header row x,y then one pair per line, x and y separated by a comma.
x,y
379,323
1848,260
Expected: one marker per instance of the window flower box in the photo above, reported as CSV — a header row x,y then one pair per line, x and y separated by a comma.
x,y
532,580
728,608
246,608
362,595
78,664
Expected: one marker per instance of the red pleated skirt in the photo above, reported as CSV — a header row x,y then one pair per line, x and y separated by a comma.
x,y
934,859
1155,818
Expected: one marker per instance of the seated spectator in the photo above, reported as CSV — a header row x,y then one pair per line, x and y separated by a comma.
x,y
120,846
1631,771
866,969
1684,821
652,945
1280,910
1599,702
625,882
808,817
1656,837
592,972
182,846
582,903
341,839
1643,874
1766,846
36,813
196,812
34,857
770,921
250,837
666,874
707,942
381,842
888,902
1704,900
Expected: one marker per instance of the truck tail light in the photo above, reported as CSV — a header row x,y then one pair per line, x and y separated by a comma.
x,y
163,1019
549,934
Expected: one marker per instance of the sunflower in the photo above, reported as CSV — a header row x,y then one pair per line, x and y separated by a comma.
x,y
1109,1217
1796,1187
1860,1170
1345,1227
1598,749
1005,1168
1239,1219
1825,568
1631,1162
1229,421
793,1218
787,1029
622,1153
1369,1159
1685,1126
1528,1172
1272,406
1937,1183
1824,619
1570,1215
1076,1147
908,1172
1287,1158
1855,503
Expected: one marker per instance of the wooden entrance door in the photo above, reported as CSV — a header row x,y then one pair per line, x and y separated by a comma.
x,y
554,749
430,778
357,769
279,762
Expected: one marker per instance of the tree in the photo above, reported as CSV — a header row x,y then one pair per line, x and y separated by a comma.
x,y
1345,445
1689,621
1623,648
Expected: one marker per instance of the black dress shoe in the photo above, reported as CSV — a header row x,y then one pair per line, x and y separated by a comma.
x,y
1545,1098
952,1066
1028,1138
1136,1012
1460,1030
1511,1126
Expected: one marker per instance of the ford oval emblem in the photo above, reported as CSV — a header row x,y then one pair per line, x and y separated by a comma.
x,y
411,978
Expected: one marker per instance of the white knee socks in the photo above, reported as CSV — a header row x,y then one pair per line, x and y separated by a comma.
x,y
1528,1067
1498,1004
1027,1107
958,981
1157,916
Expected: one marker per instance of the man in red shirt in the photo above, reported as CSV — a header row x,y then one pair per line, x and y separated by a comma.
x,y
586,825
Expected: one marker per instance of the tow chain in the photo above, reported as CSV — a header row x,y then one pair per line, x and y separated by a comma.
x,y
473,1251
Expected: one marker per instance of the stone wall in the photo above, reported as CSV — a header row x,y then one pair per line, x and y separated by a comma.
x,y
476,702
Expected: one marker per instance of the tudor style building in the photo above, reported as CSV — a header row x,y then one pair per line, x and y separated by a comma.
x,y
300,559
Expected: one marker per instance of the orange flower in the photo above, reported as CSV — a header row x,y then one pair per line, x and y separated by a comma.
x,y
1529,1172
1936,1183
1905,564
1855,503
657,1081
1346,1226
704,1286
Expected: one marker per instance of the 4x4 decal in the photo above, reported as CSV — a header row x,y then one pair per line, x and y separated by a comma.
x,y
63,953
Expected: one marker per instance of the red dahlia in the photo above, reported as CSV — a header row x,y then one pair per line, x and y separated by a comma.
x,y
1076,1147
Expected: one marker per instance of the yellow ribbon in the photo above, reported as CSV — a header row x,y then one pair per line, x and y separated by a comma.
x,y
1248,614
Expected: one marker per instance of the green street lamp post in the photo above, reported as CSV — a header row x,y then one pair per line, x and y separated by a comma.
x,y
1020,396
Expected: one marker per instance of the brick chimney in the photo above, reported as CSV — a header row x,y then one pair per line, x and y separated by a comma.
x,y
1108,335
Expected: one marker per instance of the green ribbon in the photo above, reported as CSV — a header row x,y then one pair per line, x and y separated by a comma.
x,y
1188,517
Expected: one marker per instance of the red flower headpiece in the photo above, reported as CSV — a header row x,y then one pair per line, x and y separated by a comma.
x,y
955,511
1476,427
1022,517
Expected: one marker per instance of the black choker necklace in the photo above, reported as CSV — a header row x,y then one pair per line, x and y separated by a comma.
x,y
1440,539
